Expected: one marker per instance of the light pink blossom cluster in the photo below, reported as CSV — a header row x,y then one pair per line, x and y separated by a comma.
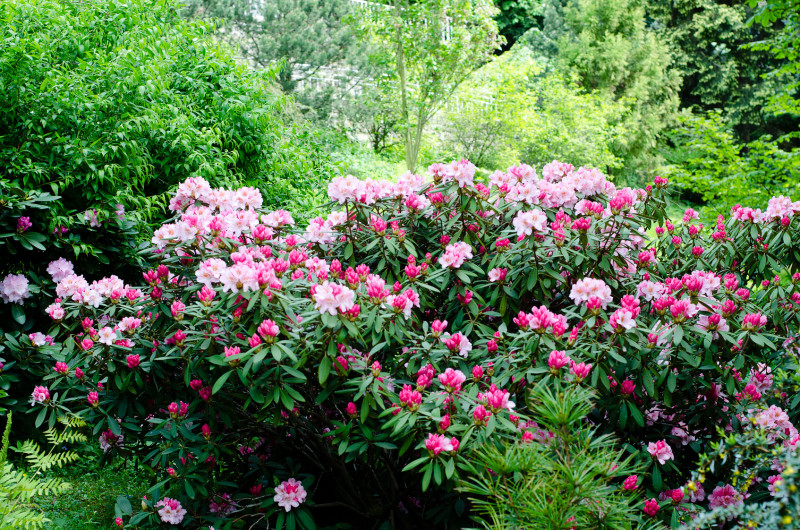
x,y
14,289
170,511
290,494
587,289
455,254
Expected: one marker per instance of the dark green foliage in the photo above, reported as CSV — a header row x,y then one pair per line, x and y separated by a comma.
x,y
711,44
573,478
608,46
713,168
307,39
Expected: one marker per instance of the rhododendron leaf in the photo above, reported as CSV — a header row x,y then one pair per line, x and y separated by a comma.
x,y
636,414
348,251
437,473
672,381
113,425
40,417
286,400
647,382
677,336
623,416
220,382
294,372
426,478
324,368
306,520
280,520
365,411
18,313
657,483
385,445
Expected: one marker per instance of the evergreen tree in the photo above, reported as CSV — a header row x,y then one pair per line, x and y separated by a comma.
x,y
608,45
711,42
310,40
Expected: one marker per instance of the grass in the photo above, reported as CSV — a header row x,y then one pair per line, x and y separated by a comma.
x,y
90,501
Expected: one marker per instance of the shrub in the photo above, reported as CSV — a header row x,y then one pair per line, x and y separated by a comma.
x,y
560,475
370,354
108,105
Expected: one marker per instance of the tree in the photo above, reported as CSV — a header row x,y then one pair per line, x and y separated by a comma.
x,y
711,42
432,47
307,38
786,48
608,45
513,109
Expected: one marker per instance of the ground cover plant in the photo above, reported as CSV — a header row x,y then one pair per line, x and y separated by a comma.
x,y
352,370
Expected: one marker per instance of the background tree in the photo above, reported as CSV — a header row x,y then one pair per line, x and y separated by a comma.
x,y
513,109
308,39
720,70
433,46
607,44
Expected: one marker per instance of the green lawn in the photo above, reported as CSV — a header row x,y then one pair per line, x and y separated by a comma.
x,y
90,501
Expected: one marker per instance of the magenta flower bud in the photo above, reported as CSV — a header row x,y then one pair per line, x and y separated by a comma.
x,y
61,368
630,483
351,410
133,361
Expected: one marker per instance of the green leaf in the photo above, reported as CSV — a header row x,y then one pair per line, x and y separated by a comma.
x,y
220,382
324,369
18,313
124,505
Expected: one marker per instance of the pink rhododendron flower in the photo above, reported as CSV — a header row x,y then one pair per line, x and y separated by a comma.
x,y
455,255
14,289
651,507
526,222
41,394
438,443
724,496
452,380
170,511
332,297
60,269
660,451
588,288
289,494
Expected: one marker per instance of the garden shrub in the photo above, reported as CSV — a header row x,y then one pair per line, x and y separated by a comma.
x,y
108,105
348,370
561,474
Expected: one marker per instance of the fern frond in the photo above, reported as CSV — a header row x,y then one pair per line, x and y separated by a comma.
x,y
74,422
4,448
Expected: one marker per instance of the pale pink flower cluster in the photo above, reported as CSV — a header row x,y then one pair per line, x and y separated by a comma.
x,y
455,254
587,288
14,289
526,222
660,451
170,511
350,188
331,297
197,190
775,421
556,171
462,171
60,269
781,206
290,494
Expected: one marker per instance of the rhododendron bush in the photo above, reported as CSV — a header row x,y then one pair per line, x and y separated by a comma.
x,y
346,370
